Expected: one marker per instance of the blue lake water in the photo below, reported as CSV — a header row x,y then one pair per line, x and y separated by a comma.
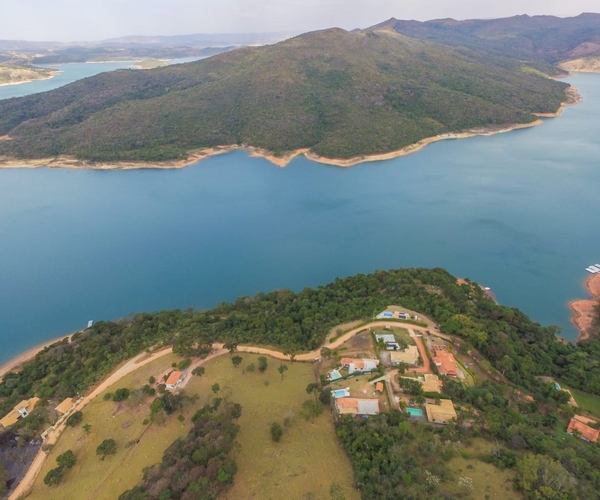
x,y
518,212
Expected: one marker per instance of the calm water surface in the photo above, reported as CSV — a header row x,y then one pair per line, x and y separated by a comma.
x,y
518,212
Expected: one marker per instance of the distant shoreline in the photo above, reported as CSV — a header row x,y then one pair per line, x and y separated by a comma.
x,y
283,160
584,313
56,73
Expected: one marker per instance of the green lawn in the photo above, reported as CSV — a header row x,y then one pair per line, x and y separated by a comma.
x,y
587,402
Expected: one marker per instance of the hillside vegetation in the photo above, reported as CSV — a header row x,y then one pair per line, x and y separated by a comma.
x,y
540,41
339,94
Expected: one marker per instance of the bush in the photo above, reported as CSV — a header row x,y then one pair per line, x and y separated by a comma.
x,y
184,363
107,396
199,371
74,419
151,380
121,394
262,364
276,432
106,447
66,460
54,476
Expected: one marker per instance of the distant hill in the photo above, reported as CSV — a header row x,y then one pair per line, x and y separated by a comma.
x,y
541,41
337,93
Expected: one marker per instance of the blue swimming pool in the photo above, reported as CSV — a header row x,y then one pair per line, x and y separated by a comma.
x,y
414,412
340,393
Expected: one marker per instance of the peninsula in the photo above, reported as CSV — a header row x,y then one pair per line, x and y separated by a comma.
x,y
12,74
456,392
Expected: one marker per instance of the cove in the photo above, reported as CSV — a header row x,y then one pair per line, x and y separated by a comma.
x,y
517,212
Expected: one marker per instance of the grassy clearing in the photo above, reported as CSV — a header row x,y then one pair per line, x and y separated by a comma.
x,y
489,482
587,402
306,461
93,478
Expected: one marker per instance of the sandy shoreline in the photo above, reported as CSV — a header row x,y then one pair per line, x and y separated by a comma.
x,y
283,160
18,361
55,73
584,313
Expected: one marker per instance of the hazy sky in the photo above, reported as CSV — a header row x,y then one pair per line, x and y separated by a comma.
x,y
68,20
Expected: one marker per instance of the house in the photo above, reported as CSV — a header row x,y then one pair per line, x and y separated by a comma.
x,y
379,386
360,365
432,383
19,411
403,315
65,406
445,361
410,356
175,378
441,413
587,433
355,406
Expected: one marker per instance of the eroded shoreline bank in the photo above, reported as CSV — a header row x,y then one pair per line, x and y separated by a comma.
x,y
69,162
584,310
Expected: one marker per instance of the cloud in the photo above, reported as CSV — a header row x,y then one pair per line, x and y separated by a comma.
x,y
97,19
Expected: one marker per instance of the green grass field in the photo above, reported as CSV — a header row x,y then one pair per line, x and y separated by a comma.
x,y
307,460
489,482
587,402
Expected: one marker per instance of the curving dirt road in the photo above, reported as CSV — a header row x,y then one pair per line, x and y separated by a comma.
x,y
218,350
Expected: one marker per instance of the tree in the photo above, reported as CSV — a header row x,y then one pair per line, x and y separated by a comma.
x,y
276,432
230,345
282,368
402,367
106,447
74,419
199,371
215,387
314,389
236,360
151,380
66,460
542,478
250,368
262,364
54,476
325,352
121,394
87,428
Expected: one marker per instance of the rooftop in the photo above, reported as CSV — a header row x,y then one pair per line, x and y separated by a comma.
x,y
66,405
13,416
174,377
587,432
445,362
442,413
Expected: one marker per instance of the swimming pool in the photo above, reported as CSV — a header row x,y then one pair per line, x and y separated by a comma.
x,y
414,412
341,393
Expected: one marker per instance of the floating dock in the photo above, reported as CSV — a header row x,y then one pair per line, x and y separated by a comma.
x,y
593,269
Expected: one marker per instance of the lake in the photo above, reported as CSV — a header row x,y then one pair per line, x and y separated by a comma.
x,y
518,212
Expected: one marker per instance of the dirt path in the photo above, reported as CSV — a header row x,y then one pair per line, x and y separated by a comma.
x,y
426,368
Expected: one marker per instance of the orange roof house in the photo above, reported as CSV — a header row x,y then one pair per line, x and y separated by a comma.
x,y
20,411
355,406
587,433
174,379
445,361
65,406
379,386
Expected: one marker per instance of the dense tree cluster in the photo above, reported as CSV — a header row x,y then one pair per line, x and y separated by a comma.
x,y
197,466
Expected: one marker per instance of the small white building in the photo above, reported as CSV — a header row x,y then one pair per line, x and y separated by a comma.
x,y
360,365
175,378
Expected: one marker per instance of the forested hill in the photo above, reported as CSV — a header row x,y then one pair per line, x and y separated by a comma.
x,y
337,93
542,41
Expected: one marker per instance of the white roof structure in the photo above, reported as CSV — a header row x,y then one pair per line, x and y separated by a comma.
x,y
388,338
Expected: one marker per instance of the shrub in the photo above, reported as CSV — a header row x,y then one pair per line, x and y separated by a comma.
x,y
121,394
74,419
276,432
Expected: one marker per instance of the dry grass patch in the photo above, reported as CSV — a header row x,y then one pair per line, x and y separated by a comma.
x,y
306,461
95,479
